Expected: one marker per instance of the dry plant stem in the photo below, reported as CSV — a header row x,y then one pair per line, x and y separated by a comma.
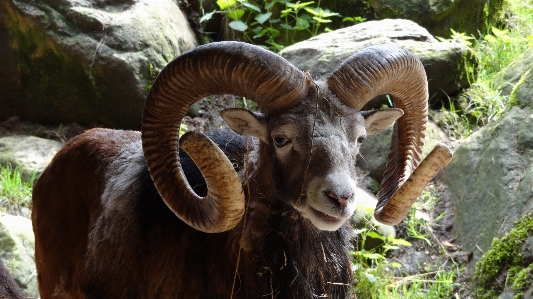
x,y
401,202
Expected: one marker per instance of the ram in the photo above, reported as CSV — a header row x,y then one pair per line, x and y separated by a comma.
x,y
115,217
9,289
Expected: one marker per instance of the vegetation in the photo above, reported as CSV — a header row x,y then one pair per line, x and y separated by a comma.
x,y
15,193
276,24
378,276
489,54
504,265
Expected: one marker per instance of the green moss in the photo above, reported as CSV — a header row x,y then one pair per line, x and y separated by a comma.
x,y
513,101
502,263
522,281
493,13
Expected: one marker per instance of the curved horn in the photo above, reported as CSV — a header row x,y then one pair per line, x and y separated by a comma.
x,y
218,68
386,69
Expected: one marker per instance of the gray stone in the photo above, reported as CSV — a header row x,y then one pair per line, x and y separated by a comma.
x,y
507,294
413,262
443,61
516,80
490,179
527,251
28,154
17,247
85,61
375,149
438,16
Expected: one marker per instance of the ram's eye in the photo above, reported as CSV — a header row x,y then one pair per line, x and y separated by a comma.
x,y
280,141
360,140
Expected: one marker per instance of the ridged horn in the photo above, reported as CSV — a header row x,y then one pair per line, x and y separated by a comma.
x,y
217,68
386,69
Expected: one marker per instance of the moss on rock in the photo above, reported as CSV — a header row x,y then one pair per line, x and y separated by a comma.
x,y
502,265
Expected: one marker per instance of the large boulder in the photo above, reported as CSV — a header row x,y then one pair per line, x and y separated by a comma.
x,y
17,247
491,175
85,61
443,61
438,17
28,154
516,80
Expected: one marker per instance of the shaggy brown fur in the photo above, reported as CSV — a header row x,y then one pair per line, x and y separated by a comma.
x,y
9,289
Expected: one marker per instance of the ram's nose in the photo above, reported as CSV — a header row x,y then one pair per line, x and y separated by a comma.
x,y
339,199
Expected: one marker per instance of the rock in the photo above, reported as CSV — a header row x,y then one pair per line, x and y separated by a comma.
x,y
490,179
85,61
375,149
507,294
443,61
412,263
527,251
516,80
28,154
438,17
17,248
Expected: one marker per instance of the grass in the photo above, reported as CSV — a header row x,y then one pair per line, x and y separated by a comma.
x,y
490,53
379,276
15,193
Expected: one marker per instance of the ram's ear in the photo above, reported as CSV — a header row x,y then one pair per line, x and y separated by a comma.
x,y
378,120
246,123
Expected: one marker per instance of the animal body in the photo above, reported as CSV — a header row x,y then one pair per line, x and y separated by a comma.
x,y
114,215
9,289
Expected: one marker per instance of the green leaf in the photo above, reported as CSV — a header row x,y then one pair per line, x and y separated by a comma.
x,y
236,14
251,6
373,256
261,18
375,235
238,25
284,14
498,32
305,17
207,17
299,5
269,5
315,11
301,24
490,38
396,265
348,19
401,242
327,13
286,26
320,20
223,4
371,278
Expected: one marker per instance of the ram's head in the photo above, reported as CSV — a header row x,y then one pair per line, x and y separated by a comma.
x,y
310,132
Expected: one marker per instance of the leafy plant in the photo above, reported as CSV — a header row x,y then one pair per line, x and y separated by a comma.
x,y
371,267
276,23
14,191
354,20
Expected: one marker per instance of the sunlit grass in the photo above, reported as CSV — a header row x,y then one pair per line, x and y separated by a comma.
x,y
15,193
489,55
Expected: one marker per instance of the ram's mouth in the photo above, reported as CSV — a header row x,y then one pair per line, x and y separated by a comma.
x,y
326,217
